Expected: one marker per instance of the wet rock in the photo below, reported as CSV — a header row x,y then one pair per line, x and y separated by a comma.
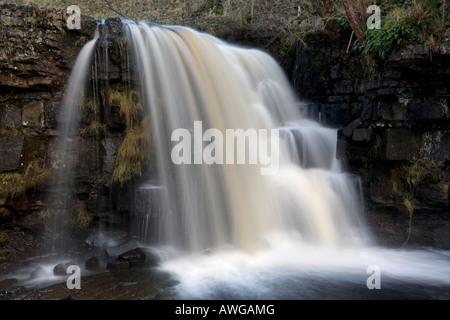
x,y
115,26
131,284
118,264
348,131
37,273
106,238
61,268
10,152
92,264
442,237
152,257
115,251
8,283
33,114
88,25
433,193
363,135
10,115
11,293
136,257
141,257
398,144
5,213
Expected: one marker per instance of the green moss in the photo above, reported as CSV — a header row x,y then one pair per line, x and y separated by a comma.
x,y
35,177
133,154
405,180
3,238
413,174
83,216
214,7
13,131
95,129
12,184
129,104
79,41
92,105
44,214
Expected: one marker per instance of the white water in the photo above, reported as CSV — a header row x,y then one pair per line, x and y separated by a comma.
x,y
231,232
188,76
63,156
266,237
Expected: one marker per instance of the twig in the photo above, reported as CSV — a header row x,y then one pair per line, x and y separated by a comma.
x,y
350,42
409,230
116,11
9,95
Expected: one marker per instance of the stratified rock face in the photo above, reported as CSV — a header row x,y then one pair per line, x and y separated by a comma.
x,y
395,130
37,54
392,117
36,46
10,153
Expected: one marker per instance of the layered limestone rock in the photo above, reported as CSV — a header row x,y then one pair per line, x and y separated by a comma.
x,y
393,122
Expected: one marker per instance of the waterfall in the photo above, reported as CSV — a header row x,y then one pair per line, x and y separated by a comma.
x,y
65,157
194,81
233,227
229,231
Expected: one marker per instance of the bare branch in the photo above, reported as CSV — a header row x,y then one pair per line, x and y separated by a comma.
x,y
353,20
110,6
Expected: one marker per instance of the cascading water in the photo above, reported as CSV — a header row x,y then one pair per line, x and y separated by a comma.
x,y
227,230
238,233
189,77
63,185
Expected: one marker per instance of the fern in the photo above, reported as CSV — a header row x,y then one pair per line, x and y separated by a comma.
x,y
382,41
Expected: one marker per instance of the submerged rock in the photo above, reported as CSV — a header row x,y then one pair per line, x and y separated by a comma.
x,y
92,264
141,257
118,264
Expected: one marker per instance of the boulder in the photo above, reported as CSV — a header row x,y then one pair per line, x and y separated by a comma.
x,y
115,251
92,264
152,257
141,257
135,257
348,131
61,268
363,135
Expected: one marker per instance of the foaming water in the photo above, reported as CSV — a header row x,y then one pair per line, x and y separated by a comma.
x,y
299,233
227,231
188,76
293,270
